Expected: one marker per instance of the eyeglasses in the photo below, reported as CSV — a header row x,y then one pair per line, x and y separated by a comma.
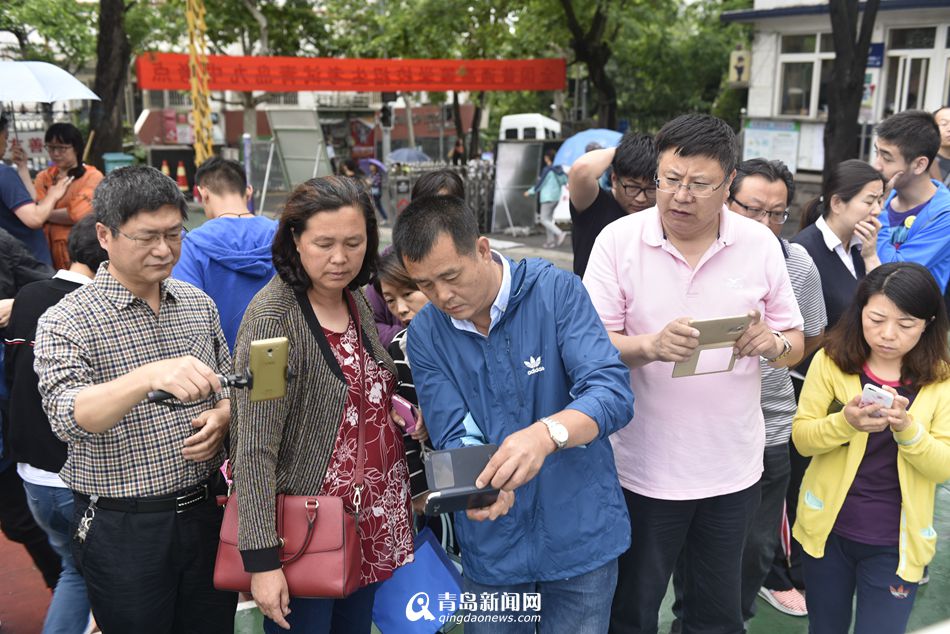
x,y
148,241
634,191
775,217
697,190
56,149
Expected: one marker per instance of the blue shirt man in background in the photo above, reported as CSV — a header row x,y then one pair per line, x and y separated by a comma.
x,y
229,256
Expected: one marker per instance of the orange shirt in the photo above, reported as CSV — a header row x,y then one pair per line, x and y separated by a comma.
x,y
77,201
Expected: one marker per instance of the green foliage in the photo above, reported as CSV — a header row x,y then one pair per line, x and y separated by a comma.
x,y
666,56
57,31
674,63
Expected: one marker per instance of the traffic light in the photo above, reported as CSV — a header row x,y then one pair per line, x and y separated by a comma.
x,y
386,116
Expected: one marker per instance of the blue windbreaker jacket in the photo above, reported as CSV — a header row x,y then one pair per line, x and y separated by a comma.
x,y
548,352
230,260
928,241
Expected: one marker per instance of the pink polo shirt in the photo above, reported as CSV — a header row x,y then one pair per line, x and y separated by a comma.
x,y
700,436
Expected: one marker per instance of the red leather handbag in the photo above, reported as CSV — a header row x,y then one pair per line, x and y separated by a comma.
x,y
320,551
319,548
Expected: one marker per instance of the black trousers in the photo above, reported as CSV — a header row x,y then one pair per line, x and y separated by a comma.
x,y
711,534
151,573
786,573
18,525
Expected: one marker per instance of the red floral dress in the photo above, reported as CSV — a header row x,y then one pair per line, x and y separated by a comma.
x,y
384,524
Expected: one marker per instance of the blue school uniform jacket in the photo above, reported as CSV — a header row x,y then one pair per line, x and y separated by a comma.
x,y
547,352
928,240
230,260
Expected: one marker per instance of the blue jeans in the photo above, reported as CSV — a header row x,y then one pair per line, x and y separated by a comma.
x,y
352,615
579,605
52,509
884,600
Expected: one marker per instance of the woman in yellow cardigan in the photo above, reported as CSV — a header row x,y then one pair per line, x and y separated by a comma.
x,y
865,510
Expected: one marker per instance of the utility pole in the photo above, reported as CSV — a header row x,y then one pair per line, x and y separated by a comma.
x,y
411,131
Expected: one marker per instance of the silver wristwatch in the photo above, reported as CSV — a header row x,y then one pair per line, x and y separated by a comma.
x,y
557,431
786,347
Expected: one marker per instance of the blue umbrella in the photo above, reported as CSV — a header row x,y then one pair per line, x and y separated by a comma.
x,y
407,155
575,146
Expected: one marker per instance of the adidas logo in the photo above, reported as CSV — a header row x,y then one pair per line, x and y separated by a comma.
x,y
534,365
899,592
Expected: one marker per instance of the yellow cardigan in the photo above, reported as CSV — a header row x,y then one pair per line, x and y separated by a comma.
x,y
837,449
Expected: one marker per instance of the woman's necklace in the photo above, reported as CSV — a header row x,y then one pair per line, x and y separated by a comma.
x,y
235,215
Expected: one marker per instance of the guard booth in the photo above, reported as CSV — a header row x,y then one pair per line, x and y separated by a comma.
x,y
517,167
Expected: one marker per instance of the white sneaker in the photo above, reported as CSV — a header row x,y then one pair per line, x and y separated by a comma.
x,y
786,601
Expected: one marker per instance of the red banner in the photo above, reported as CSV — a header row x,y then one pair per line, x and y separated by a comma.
x,y
169,71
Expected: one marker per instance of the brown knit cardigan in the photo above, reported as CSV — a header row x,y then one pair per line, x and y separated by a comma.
x,y
284,445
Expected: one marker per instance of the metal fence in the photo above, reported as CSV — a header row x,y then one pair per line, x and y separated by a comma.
x,y
478,176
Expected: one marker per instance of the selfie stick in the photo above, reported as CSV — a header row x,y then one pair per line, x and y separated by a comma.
x,y
227,380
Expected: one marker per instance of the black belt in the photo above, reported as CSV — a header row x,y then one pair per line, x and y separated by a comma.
x,y
179,502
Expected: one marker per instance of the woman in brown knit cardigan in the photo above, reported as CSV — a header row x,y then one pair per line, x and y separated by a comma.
x,y
305,444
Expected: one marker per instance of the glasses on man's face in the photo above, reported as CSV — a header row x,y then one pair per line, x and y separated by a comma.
x,y
755,213
697,190
634,191
52,148
151,240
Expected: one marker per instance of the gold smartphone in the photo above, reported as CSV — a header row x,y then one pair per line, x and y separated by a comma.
x,y
268,367
713,334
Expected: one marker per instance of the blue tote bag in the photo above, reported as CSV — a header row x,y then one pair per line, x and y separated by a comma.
x,y
421,596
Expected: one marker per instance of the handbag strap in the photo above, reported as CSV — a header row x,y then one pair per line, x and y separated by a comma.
x,y
311,512
360,447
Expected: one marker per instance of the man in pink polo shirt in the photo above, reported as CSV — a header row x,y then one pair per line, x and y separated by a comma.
x,y
691,459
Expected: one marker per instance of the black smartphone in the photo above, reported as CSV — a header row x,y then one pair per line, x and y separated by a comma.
x,y
451,474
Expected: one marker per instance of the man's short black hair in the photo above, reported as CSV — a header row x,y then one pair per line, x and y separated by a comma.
x,y
83,244
420,224
914,132
635,156
772,171
700,135
439,183
125,192
4,122
222,177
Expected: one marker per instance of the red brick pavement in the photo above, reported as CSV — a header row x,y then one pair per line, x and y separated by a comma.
x,y
23,595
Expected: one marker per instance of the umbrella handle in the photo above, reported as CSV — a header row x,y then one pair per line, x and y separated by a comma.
x,y
85,152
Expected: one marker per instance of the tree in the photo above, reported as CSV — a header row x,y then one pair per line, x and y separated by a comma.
x,y
852,43
113,56
592,47
54,31
262,27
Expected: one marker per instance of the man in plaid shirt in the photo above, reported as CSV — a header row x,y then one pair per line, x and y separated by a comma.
x,y
143,474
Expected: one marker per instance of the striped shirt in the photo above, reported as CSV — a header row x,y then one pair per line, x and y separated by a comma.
x,y
101,332
778,396
407,389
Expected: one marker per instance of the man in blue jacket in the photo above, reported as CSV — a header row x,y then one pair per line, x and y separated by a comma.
x,y
228,257
514,354
916,218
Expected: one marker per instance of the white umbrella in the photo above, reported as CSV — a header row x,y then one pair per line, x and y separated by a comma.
x,y
39,81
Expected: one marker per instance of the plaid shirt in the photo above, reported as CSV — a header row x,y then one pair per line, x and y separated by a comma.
x,y
101,332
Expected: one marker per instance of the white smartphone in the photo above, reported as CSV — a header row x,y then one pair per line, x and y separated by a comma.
x,y
873,394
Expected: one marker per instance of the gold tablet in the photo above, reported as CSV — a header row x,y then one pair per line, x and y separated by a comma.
x,y
713,334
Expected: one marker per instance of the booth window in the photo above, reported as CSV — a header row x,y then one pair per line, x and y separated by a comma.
x,y
910,53
805,64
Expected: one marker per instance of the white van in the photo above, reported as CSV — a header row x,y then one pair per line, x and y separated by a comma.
x,y
530,126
